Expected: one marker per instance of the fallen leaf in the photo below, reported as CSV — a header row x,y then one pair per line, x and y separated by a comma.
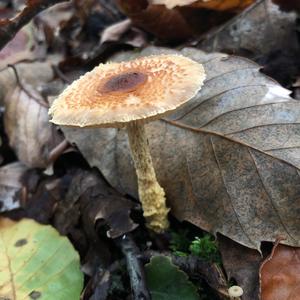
x,y
258,30
27,126
169,24
91,199
51,273
166,281
21,47
241,264
288,5
32,73
228,159
11,185
114,32
222,5
180,20
280,274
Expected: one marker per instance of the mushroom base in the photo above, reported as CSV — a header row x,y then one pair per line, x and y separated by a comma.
x,y
152,195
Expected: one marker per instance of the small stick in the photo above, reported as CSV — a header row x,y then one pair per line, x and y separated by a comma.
x,y
57,151
135,267
61,75
10,27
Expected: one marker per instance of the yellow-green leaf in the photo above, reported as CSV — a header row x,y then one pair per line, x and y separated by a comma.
x,y
37,263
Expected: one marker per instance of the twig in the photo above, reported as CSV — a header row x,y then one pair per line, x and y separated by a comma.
x,y
135,267
10,27
57,151
20,84
61,75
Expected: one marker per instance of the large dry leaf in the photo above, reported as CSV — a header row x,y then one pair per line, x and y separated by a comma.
x,y
241,264
260,29
229,159
280,274
26,113
27,125
179,20
19,48
37,263
288,5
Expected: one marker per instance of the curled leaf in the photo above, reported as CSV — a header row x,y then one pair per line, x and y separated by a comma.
x,y
27,125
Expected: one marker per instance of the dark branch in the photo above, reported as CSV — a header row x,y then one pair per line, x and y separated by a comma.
x,y
135,267
10,27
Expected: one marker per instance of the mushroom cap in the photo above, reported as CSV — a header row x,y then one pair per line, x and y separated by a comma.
x,y
113,94
235,291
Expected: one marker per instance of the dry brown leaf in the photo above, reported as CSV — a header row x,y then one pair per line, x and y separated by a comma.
x,y
222,5
280,274
181,22
288,5
228,159
91,199
11,186
27,126
256,31
32,73
26,113
242,265
19,48
162,22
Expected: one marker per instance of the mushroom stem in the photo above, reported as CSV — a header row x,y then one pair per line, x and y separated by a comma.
x,y
152,195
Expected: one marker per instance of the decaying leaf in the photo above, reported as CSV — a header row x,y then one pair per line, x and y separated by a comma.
x,y
288,5
242,265
33,74
166,281
228,159
36,262
27,126
92,200
11,186
179,20
21,47
222,5
258,30
280,274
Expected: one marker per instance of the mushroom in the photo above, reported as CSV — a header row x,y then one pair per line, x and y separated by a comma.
x,y
235,292
130,94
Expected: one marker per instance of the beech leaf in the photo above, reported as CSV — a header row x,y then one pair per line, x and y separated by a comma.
x,y
37,263
26,123
279,274
229,159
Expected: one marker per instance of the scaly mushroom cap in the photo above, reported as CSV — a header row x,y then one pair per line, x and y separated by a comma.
x,y
116,93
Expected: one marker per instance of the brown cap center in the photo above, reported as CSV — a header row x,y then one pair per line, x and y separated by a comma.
x,y
125,82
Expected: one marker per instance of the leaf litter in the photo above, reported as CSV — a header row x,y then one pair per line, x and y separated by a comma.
x,y
228,159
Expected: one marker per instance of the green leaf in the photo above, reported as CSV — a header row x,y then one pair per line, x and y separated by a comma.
x,y
167,282
37,263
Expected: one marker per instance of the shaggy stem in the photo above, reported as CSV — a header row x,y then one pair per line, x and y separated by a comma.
x,y
152,195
